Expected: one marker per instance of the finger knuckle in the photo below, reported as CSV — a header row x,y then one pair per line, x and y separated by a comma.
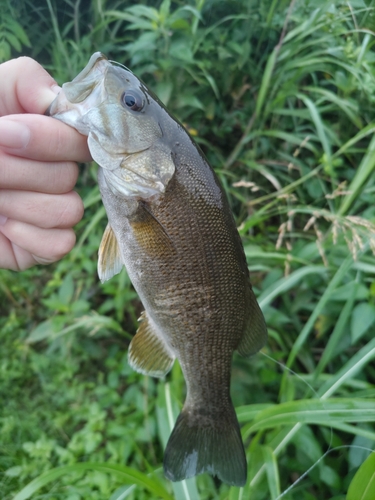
x,y
72,210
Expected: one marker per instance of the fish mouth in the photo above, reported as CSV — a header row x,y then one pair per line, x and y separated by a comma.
x,y
80,88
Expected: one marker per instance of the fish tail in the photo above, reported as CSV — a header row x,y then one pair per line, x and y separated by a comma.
x,y
201,442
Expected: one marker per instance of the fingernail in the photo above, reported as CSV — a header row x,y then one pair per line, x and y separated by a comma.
x,y
3,220
42,261
13,134
56,89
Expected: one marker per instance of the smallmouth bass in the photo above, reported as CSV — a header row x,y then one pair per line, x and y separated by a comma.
x,y
170,224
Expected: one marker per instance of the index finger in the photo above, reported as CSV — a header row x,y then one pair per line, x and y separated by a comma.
x,y
42,138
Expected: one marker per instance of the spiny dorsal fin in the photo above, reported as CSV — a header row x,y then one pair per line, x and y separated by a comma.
x,y
148,353
110,261
255,334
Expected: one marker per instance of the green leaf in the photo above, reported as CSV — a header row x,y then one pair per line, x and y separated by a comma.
x,y
330,476
66,290
336,279
246,413
366,131
344,104
18,31
167,412
44,330
144,11
313,411
288,282
211,81
338,332
266,81
4,51
362,486
181,51
13,40
353,366
272,472
180,24
165,8
320,129
135,22
365,169
90,323
362,319
123,473
189,101
122,492
15,471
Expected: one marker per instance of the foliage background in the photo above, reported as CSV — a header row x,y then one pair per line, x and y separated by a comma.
x,y
280,96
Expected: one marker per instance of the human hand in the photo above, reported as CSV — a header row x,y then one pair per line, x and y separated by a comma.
x,y
37,171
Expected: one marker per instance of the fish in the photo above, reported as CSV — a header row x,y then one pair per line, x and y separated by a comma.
x,y
170,225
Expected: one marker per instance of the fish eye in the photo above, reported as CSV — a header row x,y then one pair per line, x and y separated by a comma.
x,y
132,99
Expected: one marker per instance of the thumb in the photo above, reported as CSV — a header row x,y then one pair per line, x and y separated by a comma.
x,y
26,87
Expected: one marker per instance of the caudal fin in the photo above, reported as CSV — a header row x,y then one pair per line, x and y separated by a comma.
x,y
199,444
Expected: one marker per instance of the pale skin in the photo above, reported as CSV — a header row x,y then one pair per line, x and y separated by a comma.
x,y
38,206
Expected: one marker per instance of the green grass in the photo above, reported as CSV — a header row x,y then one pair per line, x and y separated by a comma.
x,y
281,98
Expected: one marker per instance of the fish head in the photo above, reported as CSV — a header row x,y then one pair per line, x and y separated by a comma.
x,y
121,118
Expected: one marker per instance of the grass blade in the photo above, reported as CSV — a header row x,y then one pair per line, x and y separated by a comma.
x,y
288,282
266,80
337,333
167,412
362,357
365,169
313,411
362,486
337,278
125,474
315,116
272,471
356,363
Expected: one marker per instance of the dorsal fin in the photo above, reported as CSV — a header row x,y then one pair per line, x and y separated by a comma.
x,y
110,261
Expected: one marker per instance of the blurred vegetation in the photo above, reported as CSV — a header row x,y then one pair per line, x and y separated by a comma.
x,y
281,97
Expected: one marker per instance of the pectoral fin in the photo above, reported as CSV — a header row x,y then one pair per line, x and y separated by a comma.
x,y
150,233
255,335
148,353
110,261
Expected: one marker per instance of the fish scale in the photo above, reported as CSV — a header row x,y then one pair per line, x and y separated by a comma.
x,y
170,224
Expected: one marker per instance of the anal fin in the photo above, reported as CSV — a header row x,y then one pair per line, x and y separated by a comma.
x,y
110,261
255,334
148,354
